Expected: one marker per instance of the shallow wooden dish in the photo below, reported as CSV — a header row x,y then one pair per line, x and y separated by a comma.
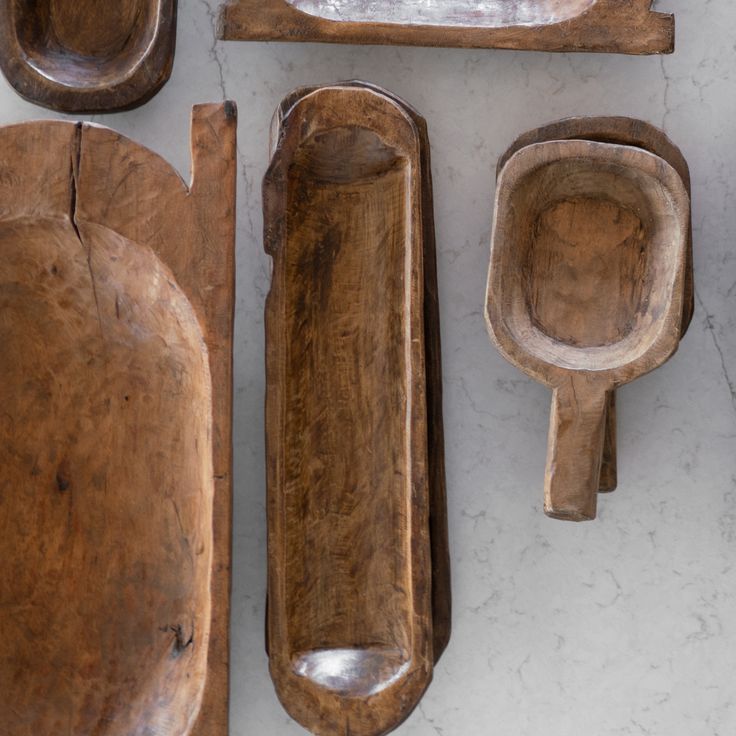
x,y
116,299
629,132
586,289
542,25
87,55
357,615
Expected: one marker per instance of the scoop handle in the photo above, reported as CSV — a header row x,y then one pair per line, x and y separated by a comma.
x,y
609,471
575,448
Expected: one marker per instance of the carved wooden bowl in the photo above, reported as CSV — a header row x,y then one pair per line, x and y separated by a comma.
x,y
549,25
111,392
586,289
87,55
353,629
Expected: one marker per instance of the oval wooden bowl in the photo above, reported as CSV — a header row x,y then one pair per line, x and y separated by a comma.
x,y
586,289
543,25
114,433
87,55
350,485
628,132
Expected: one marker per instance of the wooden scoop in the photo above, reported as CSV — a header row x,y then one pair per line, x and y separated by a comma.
x,y
586,289
629,132
87,55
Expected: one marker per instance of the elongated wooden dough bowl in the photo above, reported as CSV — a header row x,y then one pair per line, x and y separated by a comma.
x,y
586,289
116,298
629,132
543,25
356,504
87,55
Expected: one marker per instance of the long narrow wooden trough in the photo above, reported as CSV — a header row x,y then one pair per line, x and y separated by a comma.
x,y
116,304
544,25
626,132
87,55
586,289
355,471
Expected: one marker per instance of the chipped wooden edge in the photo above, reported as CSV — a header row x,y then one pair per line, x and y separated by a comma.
x,y
607,26
132,88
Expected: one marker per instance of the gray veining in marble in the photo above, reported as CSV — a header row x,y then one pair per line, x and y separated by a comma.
x,y
621,627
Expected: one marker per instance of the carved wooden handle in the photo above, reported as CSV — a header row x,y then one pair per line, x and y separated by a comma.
x,y
575,448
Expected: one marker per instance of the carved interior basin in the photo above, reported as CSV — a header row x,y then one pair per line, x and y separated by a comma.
x,y
106,490
487,13
88,55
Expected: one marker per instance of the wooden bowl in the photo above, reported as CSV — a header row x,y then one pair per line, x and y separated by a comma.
x,y
87,55
586,289
628,132
543,25
348,417
115,317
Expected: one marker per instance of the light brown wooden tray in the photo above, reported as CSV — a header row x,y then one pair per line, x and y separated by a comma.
x,y
543,25
87,55
358,564
586,289
116,309
629,132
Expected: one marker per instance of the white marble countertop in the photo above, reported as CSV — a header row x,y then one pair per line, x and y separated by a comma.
x,y
622,626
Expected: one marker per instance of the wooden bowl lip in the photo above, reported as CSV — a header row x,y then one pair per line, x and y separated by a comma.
x,y
667,331
134,86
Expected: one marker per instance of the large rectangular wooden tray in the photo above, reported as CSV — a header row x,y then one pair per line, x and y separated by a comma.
x,y
116,310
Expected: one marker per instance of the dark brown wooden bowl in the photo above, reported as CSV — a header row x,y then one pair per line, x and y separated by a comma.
x,y
543,25
115,312
87,55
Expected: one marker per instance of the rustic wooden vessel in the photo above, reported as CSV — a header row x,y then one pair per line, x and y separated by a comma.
x,y
116,307
543,25
586,289
628,132
358,564
87,55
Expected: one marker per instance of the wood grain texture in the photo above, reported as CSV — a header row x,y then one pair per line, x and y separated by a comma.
x,y
87,55
116,299
358,563
628,132
542,25
586,289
